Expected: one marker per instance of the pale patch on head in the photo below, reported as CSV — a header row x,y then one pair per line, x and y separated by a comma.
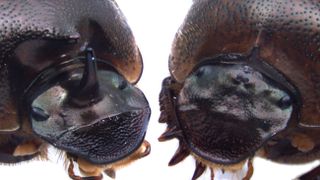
x,y
229,105
188,107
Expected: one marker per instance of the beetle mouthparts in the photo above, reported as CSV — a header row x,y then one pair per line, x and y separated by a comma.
x,y
94,170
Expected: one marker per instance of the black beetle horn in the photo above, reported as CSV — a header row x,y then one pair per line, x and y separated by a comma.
x,y
88,89
89,83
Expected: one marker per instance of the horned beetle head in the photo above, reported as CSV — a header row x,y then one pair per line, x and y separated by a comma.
x,y
68,74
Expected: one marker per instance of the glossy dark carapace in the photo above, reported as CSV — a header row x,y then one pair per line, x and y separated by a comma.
x,y
68,70
245,81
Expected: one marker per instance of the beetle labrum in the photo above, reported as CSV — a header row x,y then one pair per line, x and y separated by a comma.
x,y
245,81
68,70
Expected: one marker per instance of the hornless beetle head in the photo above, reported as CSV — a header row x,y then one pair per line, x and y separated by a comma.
x,y
244,76
229,108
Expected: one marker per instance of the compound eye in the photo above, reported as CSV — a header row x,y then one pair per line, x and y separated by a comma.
x,y
285,102
39,114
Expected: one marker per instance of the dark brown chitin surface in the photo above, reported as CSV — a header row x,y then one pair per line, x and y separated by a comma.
x,y
287,33
36,34
218,139
100,24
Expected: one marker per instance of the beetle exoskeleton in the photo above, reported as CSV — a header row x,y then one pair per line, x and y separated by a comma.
x,y
244,79
68,70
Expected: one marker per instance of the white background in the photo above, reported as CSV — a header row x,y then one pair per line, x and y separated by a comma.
x,y
154,23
